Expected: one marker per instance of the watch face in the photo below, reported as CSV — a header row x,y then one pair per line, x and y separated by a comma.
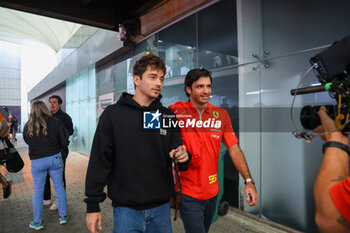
x,y
251,180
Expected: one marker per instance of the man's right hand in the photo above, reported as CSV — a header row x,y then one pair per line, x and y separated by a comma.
x,y
327,130
180,154
91,219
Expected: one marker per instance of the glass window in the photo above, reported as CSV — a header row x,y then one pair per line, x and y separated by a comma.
x,y
105,81
217,35
119,74
289,26
177,47
173,94
81,106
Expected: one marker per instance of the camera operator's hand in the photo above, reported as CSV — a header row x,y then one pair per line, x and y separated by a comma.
x,y
327,130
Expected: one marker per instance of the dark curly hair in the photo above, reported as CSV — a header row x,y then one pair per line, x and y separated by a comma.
x,y
148,60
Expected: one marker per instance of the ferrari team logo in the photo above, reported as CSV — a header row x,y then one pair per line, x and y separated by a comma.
x,y
216,114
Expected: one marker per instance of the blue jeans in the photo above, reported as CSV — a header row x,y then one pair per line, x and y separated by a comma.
x,y
197,214
40,167
154,220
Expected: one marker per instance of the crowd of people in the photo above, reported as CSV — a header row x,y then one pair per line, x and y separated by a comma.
x,y
47,135
177,162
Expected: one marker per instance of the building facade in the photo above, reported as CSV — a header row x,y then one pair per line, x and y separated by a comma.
x,y
10,79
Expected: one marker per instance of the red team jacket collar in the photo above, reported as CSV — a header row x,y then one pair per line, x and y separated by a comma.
x,y
208,109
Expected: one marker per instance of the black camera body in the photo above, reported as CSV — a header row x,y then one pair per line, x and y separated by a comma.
x,y
334,62
332,68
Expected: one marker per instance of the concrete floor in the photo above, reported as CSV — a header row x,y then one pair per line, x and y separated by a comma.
x,y
16,212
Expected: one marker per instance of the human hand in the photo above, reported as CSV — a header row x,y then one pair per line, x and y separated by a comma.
x,y
327,130
251,194
91,219
180,154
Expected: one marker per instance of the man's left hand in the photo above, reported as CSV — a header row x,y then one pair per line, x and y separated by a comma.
x,y
251,194
180,154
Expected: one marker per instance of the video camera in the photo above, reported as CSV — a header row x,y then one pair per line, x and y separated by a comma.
x,y
332,68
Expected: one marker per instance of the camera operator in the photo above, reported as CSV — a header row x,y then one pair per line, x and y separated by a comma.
x,y
332,185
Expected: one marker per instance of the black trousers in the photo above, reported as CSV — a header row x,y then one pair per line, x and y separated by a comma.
x,y
197,214
47,190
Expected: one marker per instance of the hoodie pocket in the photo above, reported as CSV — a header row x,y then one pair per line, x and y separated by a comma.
x,y
141,184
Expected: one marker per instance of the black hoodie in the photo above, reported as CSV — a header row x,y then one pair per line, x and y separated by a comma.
x,y
133,162
41,145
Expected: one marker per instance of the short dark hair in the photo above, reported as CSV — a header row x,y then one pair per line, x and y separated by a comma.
x,y
193,75
59,99
148,60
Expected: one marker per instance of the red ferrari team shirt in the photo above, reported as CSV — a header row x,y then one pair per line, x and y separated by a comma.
x,y
202,133
340,193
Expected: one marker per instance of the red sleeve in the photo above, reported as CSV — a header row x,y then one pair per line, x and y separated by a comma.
x,y
2,118
229,136
340,193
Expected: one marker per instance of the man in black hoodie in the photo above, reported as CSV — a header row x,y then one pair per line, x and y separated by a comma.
x,y
133,161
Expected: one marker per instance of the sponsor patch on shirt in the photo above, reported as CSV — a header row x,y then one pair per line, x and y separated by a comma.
x,y
162,131
213,178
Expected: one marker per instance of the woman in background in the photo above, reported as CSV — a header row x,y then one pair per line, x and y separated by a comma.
x,y
46,136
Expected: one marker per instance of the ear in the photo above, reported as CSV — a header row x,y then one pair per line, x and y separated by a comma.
x,y
136,80
188,90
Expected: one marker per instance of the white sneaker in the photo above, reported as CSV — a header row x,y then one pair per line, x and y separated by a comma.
x,y
54,206
47,203
63,220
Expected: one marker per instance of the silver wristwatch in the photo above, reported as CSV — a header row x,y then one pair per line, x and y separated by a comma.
x,y
249,180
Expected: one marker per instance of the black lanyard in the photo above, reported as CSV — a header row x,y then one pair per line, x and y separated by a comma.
x,y
177,182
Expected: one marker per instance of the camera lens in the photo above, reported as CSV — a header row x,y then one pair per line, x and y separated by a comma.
x,y
309,118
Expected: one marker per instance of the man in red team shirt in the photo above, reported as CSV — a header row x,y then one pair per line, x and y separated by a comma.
x,y
203,126
332,185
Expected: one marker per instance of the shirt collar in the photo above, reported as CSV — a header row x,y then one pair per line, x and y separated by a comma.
x,y
208,109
